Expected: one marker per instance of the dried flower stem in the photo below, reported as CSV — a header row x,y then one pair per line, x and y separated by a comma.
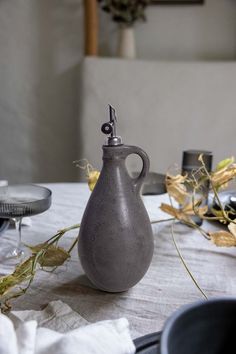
x,y
162,220
10,285
215,193
192,224
184,263
73,244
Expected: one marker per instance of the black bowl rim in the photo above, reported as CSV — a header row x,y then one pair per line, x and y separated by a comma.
x,y
147,341
182,311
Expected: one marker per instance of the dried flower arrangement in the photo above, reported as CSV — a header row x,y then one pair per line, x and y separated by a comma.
x,y
182,189
125,12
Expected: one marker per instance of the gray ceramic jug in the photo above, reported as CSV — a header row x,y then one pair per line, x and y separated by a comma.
x,y
115,240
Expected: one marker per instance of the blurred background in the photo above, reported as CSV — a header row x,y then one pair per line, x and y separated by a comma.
x,y
173,86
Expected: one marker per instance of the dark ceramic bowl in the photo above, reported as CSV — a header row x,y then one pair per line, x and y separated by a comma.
x,y
205,327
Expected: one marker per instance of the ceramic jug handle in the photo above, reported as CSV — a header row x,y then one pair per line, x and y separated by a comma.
x,y
146,164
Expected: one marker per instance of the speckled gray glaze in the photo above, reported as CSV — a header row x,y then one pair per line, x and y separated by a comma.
x,y
115,239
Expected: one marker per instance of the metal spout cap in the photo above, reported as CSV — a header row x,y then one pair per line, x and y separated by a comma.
x,y
113,141
109,128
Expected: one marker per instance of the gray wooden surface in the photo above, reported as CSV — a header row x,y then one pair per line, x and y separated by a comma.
x,y
165,287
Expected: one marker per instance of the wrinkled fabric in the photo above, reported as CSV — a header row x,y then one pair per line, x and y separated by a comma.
x,y
104,337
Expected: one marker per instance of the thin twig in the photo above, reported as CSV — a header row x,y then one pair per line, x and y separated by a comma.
x,y
162,220
73,245
184,263
191,223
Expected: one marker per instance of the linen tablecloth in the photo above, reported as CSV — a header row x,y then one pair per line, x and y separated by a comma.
x,y
165,287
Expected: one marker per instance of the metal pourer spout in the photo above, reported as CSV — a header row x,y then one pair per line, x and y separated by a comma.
x,y
110,129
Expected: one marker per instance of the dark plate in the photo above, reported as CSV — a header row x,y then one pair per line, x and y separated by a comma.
x,y
149,344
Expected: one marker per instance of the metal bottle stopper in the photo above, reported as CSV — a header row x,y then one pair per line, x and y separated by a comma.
x,y
109,128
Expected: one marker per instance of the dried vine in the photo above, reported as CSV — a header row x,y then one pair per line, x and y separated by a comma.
x,y
181,190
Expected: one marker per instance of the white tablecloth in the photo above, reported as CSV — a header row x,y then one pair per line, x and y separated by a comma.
x,y
164,288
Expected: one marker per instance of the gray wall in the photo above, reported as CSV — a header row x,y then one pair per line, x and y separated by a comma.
x,y
194,32
163,107
41,47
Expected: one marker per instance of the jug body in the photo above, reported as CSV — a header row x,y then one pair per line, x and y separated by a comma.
x,y
115,240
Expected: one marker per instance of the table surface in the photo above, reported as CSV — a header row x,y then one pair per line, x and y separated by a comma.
x,y
165,287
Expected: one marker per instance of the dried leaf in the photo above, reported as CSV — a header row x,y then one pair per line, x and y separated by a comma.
x,y
92,179
178,192
200,210
223,238
24,269
224,163
6,283
36,248
177,213
177,179
22,273
91,173
13,285
188,209
53,257
232,228
222,177
176,188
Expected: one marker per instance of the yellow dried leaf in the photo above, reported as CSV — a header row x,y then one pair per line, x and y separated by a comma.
x,y
178,192
36,248
6,283
188,209
53,257
232,228
92,179
177,179
224,163
92,174
176,188
222,177
223,238
24,269
201,210
177,213
22,273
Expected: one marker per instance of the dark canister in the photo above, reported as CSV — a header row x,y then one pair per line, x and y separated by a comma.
x,y
191,161
115,240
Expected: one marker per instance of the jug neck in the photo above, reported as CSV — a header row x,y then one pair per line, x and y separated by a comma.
x,y
115,156
118,152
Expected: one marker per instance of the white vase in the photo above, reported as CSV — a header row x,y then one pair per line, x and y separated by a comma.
x,y
126,42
